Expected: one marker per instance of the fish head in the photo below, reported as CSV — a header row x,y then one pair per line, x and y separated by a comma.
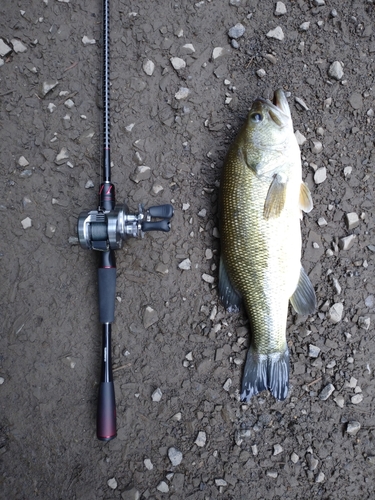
x,y
270,123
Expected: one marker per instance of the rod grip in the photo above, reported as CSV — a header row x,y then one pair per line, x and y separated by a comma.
x,y
106,415
107,294
161,211
160,225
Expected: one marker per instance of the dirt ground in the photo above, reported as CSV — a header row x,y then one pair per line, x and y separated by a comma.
x,y
314,444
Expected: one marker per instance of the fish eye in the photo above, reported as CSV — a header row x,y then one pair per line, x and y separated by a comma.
x,y
256,117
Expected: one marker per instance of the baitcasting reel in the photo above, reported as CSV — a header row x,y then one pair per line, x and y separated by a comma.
x,y
105,230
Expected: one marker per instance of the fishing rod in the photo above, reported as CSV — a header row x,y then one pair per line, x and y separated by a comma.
x,y
104,230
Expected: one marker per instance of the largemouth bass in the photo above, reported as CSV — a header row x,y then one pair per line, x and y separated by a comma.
x,y
261,198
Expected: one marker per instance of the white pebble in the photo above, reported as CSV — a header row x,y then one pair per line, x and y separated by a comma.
x,y
320,175
162,487
22,162
88,41
352,220
353,427
276,33
261,73
207,278
112,483
301,139
294,457
277,449
346,242
201,439
149,67
305,26
280,9
148,464
227,385
178,63
182,93
69,103
335,313
220,482
336,71
185,265
175,456
26,223
157,395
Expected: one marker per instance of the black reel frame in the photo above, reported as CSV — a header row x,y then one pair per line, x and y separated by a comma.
x,y
104,230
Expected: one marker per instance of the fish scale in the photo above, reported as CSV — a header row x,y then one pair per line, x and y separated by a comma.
x,y
259,207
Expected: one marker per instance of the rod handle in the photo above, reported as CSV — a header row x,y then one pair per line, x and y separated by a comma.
x,y
106,415
160,225
161,211
107,294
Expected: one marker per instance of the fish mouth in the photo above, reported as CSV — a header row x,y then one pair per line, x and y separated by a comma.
x,y
278,109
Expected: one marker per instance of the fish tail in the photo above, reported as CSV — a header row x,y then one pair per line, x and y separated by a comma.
x,y
265,371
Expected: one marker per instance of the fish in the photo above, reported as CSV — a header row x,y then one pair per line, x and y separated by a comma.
x,y
261,199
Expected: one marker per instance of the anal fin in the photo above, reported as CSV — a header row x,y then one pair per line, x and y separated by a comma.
x,y
230,298
305,199
303,299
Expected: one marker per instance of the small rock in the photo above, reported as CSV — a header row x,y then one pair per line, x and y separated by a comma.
x,y
364,322
178,63
317,147
148,464
277,449
18,46
294,457
162,487
89,184
313,351
161,268
227,385
320,175
189,48
353,427
346,242
219,52
322,222
207,278
50,230
320,477
141,173
51,107
26,223
220,482
88,41
156,395
149,67
4,48
277,33
156,188
201,439
326,392
261,73
305,26
202,213
48,86
356,101
312,461
175,456
69,104
272,473
150,316
185,265
130,493
336,71
301,139
22,162
182,93
339,400
335,312
112,483
185,206
280,9
62,156
352,220
302,103
236,31
369,301
336,285
356,399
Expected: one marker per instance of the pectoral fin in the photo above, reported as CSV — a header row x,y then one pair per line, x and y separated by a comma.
x,y
303,299
305,199
230,298
275,199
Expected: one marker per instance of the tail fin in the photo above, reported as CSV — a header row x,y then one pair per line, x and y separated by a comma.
x,y
265,371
